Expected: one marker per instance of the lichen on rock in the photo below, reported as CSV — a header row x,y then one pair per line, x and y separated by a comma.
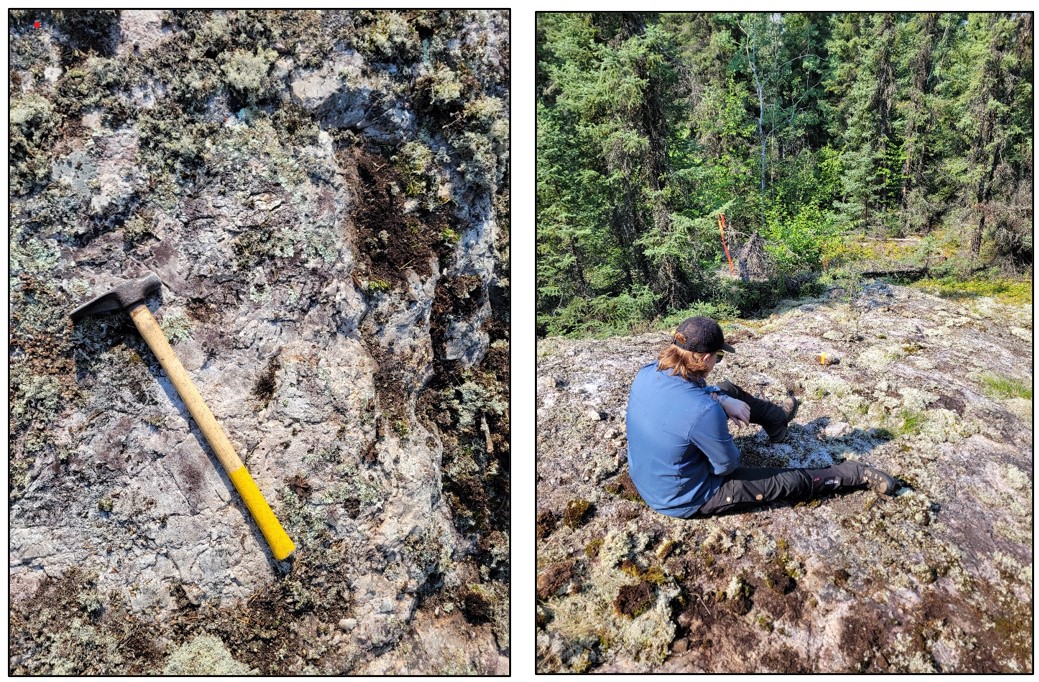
x,y
241,155
937,578
204,655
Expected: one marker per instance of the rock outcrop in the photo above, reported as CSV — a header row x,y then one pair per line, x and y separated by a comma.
x,y
937,578
325,197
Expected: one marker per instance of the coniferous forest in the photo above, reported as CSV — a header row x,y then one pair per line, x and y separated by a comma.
x,y
818,137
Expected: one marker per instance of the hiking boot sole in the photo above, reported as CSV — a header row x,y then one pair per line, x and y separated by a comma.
x,y
789,408
879,481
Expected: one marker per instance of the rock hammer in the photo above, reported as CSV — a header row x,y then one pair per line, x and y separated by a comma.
x,y
130,297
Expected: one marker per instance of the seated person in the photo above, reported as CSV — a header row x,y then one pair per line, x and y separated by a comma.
x,y
681,456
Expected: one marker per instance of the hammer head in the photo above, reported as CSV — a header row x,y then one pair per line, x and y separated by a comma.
x,y
120,298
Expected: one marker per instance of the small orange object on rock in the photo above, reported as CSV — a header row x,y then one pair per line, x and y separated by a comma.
x,y
828,359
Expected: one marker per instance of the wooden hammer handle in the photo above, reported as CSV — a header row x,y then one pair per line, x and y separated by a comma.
x,y
280,543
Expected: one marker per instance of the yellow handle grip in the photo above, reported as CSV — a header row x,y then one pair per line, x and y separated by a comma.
x,y
280,543
276,536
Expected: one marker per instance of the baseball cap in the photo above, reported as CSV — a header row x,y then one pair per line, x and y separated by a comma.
x,y
701,335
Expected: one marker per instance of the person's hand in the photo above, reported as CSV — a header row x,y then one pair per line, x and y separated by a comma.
x,y
736,410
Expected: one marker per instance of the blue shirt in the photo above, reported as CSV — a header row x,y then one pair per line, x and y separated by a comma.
x,y
679,445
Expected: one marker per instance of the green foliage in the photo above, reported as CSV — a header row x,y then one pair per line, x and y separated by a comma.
x,y
714,310
998,386
911,422
797,240
1005,290
753,297
813,130
601,316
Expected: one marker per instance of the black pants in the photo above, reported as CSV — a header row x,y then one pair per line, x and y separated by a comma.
x,y
753,486
768,415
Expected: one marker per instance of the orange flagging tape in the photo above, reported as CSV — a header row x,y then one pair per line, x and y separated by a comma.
x,y
721,227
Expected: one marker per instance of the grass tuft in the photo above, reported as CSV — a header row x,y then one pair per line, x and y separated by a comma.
x,y
998,386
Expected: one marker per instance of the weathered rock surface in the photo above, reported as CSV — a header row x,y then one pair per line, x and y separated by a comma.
x,y
332,253
937,578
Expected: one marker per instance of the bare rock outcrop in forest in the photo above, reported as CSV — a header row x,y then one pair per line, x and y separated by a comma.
x,y
936,579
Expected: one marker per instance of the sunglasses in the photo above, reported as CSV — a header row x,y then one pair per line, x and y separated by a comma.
x,y
719,356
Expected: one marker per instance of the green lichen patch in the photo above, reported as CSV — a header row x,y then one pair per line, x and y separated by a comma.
x,y
389,35
470,408
477,397
68,628
41,351
204,655
34,122
247,72
737,595
176,325
415,162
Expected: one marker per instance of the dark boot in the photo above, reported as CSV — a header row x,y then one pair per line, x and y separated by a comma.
x,y
773,418
789,408
850,475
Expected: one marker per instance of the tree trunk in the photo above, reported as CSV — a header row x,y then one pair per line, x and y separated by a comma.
x,y
914,145
975,239
760,89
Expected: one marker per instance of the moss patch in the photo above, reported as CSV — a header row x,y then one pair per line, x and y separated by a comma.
x,y
266,383
554,578
67,628
634,600
1007,291
392,241
547,522
623,486
577,513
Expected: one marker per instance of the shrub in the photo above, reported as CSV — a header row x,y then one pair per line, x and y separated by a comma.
x,y
602,316
715,311
797,240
